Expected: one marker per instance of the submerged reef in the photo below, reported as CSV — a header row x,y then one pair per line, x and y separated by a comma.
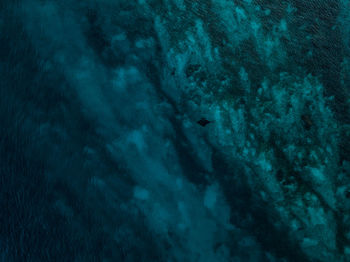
x,y
175,130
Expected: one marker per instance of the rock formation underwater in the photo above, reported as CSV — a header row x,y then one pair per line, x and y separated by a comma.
x,y
101,154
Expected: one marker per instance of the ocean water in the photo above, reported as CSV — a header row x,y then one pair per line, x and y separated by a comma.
x,y
175,130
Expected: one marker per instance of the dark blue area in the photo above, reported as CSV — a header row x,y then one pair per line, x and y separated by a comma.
x,y
101,154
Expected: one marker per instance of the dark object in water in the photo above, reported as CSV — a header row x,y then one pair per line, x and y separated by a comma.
x,y
191,69
307,122
203,121
347,194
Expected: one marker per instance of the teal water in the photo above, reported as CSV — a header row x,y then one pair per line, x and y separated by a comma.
x,y
102,157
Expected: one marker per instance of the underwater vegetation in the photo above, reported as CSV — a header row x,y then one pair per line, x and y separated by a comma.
x,y
175,130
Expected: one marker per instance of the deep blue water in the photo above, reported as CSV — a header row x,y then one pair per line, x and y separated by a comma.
x,y
102,157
